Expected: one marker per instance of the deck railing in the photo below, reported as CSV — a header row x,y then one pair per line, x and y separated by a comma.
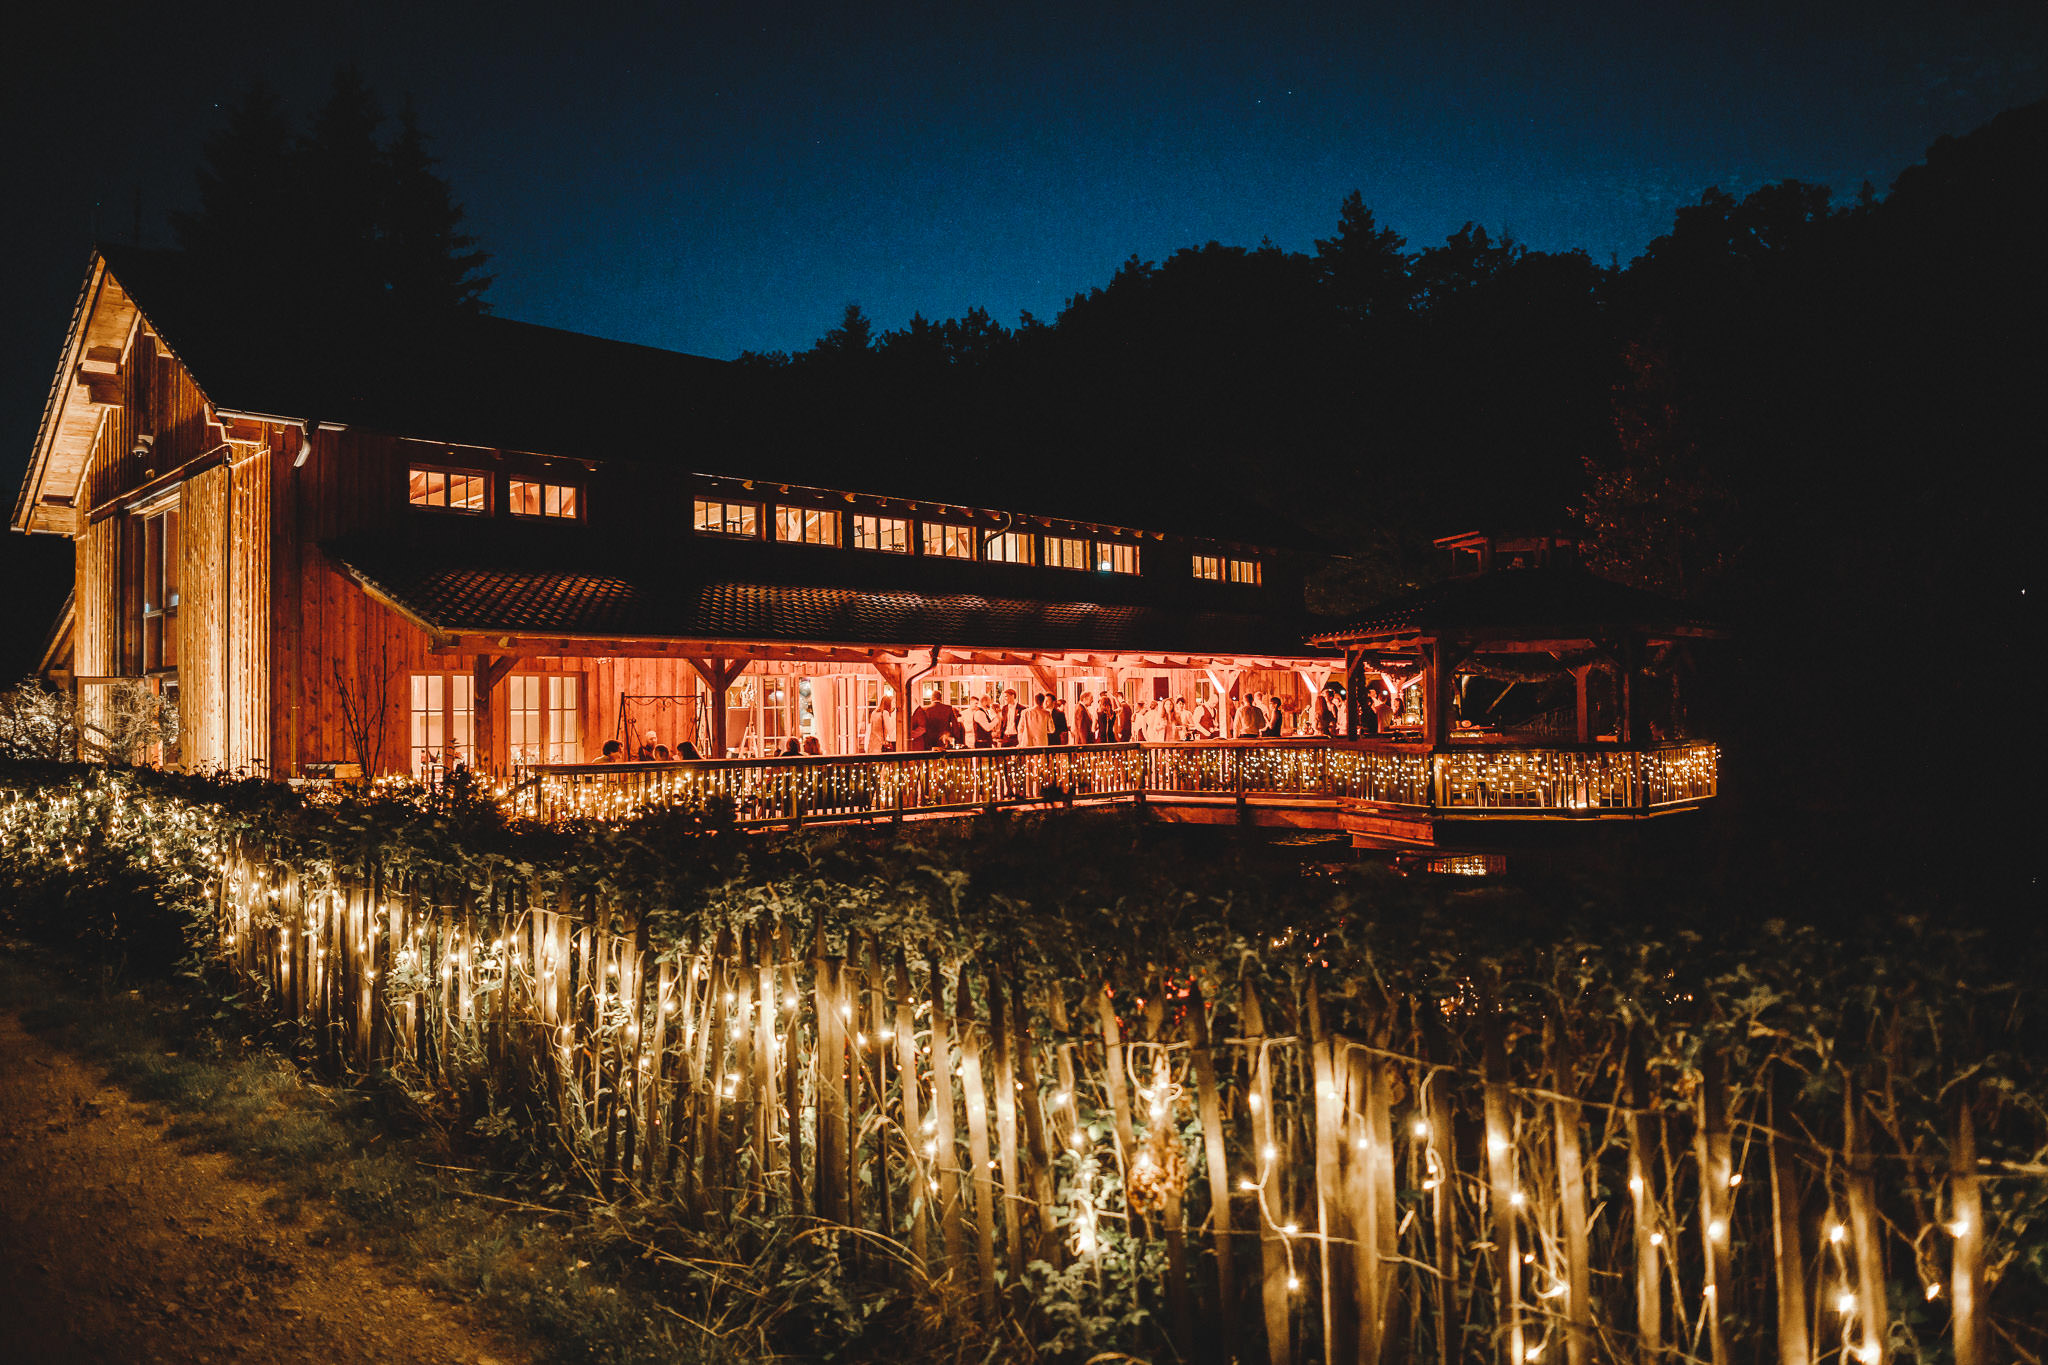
x,y
1466,779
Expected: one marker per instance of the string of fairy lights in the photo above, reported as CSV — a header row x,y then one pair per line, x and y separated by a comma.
x,y
277,917
1502,779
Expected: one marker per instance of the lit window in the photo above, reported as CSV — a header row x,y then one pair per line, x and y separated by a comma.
x,y
1011,547
806,526
881,533
1067,552
1113,557
546,725
1220,570
728,518
531,498
442,723
451,489
160,590
948,541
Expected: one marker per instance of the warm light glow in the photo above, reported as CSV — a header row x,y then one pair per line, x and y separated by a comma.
x,y
1635,1184
1497,1145
1518,1199
1656,1239
1959,1228
1419,1128
1845,1303
1836,1232
1717,1230
1734,1180
1933,1291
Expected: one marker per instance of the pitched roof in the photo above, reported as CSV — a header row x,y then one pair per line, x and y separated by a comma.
x,y
492,382
1539,603
463,589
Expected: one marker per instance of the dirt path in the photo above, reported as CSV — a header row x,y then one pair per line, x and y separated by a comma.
x,y
117,1246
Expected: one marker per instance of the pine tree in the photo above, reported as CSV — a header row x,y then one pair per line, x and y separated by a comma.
x,y
430,265
248,178
1362,266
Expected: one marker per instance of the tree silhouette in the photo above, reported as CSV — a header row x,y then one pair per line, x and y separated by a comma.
x,y
1362,265
373,228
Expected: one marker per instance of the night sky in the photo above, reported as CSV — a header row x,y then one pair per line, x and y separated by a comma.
x,y
722,180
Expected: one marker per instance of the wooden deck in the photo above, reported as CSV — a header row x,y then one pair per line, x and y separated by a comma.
x,y
1386,793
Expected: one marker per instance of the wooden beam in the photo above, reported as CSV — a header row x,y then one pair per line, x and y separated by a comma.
x,y
718,675
490,671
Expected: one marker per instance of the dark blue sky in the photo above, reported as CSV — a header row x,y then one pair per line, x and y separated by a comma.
x,y
719,180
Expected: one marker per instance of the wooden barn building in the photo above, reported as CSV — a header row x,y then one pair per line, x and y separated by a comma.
x,y
516,543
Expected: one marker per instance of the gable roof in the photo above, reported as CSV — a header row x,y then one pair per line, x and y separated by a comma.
x,y
490,382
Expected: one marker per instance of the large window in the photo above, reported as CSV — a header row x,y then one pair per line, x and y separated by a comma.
x,y
531,498
546,725
722,518
452,490
1115,557
948,541
1244,571
1067,552
881,533
1011,547
443,730
806,526
159,596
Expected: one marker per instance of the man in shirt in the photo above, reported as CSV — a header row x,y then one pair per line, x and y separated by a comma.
x,y
1034,725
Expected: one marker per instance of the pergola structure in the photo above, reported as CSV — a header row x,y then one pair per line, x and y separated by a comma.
x,y
1520,610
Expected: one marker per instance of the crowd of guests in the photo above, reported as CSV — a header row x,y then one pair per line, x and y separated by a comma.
x,y
1008,721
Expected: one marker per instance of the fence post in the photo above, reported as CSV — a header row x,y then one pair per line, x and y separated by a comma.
x,y
1787,1244
1966,1210
1500,1173
1209,1109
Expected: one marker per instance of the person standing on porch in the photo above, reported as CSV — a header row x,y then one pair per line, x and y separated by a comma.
x,y
1034,725
1123,719
882,727
1105,718
1060,729
1084,719
1248,721
1011,717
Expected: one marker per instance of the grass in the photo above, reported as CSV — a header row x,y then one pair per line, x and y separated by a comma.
x,y
343,1162
581,1279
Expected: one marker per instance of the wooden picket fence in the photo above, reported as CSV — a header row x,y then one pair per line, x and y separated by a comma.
x,y
1294,1177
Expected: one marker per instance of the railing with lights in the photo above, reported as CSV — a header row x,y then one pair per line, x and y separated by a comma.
x,y
1463,780
861,786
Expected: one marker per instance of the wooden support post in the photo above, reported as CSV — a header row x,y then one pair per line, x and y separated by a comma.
x,y
1209,1109
1788,1244
1873,1311
1501,1189
947,1152
1338,1238
1641,1175
1007,1089
980,1178
1571,1180
1711,1152
1966,1227
920,1200
1581,680
1273,1249
718,676
1354,693
490,671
